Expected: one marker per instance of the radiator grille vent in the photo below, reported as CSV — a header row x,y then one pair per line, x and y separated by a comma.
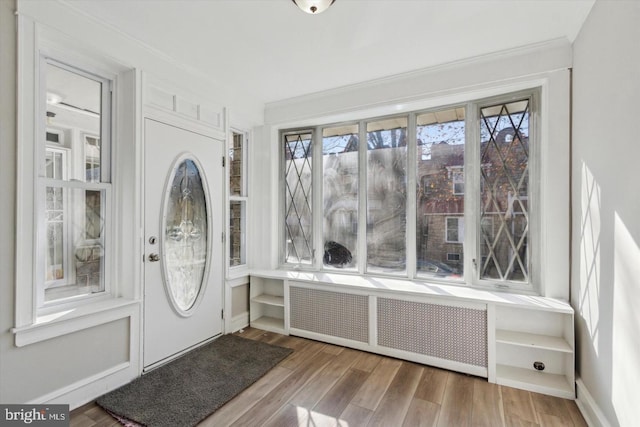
x,y
330,313
446,332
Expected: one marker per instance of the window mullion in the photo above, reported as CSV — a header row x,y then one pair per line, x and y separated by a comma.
x,y
317,205
472,190
411,225
362,197
106,125
40,245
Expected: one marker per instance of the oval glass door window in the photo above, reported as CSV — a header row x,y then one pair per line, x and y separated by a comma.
x,y
185,226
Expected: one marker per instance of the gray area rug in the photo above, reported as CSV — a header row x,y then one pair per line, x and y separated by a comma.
x,y
187,390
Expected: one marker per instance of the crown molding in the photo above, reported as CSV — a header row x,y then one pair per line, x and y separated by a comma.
x,y
463,75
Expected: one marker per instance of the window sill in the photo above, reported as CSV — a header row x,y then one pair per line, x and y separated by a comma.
x,y
74,319
418,288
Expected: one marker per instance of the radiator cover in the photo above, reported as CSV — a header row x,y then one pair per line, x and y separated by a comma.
x,y
443,331
330,313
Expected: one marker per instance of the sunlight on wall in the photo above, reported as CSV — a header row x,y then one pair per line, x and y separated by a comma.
x,y
626,325
590,255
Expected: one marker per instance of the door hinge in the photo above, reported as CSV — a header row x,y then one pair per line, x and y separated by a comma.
x,y
222,314
223,237
224,161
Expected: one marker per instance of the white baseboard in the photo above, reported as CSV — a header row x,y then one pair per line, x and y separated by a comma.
x,y
239,321
90,388
590,410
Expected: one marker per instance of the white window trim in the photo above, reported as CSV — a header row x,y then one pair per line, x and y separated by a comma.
x,y
472,199
478,78
451,258
316,194
453,172
472,167
42,306
36,40
460,226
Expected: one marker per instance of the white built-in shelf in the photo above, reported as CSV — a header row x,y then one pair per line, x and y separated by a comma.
x,y
269,324
517,324
269,300
539,382
266,306
525,339
417,287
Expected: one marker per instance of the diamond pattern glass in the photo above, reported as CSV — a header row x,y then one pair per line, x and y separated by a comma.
x,y
504,191
298,213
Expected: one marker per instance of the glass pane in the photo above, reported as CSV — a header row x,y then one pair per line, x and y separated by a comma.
x,y
92,158
74,257
504,231
340,196
237,218
186,229
54,161
386,195
236,158
298,214
74,103
54,267
440,193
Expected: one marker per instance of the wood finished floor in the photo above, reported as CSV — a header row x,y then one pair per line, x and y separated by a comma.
x,y
326,385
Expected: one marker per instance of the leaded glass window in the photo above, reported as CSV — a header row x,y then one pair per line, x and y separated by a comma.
x,y
186,227
460,212
504,130
298,214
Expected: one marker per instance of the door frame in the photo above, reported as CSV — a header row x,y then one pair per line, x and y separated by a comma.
x,y
172,118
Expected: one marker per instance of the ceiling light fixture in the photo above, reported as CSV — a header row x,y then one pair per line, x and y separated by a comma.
x,y
313,6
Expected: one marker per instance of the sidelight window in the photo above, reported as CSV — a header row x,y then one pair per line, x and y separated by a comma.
x,y
237,246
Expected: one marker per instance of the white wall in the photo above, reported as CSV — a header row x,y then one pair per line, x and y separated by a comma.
x,y
606,211
7,187
78,366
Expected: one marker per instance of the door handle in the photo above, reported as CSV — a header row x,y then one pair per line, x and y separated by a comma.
x,y
154,257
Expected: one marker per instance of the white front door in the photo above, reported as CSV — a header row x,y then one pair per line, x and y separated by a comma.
x,y
183,248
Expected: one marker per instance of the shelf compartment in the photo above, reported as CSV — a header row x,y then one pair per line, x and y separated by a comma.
x,y
539,382
525,339
275,300
269,324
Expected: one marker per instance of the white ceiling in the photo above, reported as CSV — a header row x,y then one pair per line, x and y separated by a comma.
x,y
273,51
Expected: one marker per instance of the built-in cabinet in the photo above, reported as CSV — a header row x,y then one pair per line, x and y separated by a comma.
x,y
534,348
521,341
266,304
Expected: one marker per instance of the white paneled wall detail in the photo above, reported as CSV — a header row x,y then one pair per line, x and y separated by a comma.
x,y
163,97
